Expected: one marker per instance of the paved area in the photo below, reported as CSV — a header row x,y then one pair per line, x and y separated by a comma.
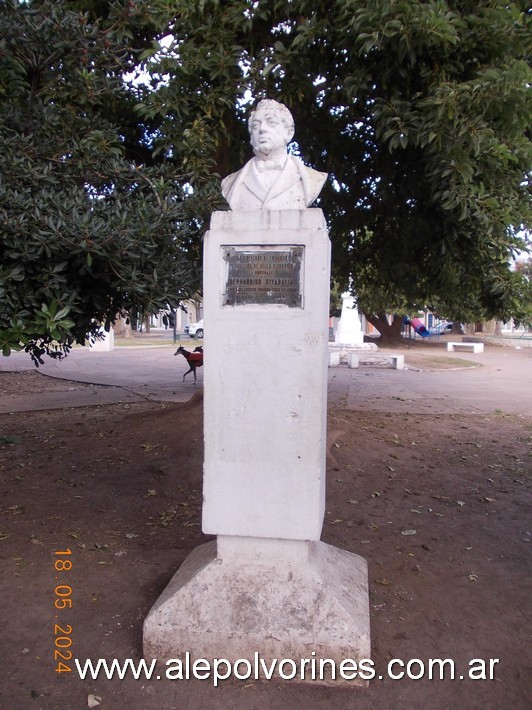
x,y
482,389
503,381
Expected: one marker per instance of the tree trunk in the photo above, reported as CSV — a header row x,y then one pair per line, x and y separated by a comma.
x,y
390,333
457,328
122,326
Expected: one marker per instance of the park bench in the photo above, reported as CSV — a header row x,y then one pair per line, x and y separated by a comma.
x,y
354,360
472,347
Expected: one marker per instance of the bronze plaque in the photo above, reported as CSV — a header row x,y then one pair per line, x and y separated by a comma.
x,y
263,275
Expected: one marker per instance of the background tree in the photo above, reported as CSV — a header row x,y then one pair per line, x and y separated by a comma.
x,y
88,228
525,268
419,111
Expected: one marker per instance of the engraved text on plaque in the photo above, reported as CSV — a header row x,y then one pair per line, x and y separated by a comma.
x,y
263,275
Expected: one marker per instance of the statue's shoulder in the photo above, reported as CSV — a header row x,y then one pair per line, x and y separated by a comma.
x,y
313,180
317,176
314,175
230,180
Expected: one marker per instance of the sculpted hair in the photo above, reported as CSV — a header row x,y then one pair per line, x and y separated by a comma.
x,y
272,106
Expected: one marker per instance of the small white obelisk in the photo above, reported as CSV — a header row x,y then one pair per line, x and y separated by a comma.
x,y
349,328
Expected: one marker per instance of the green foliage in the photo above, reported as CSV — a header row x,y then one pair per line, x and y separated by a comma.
x,y
419,112
86,231
524,270
421,120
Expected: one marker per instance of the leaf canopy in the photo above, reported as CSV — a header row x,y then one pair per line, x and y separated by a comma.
x,y
88,229
419,110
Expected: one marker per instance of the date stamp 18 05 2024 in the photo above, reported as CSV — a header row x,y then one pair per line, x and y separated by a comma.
x,y
62,602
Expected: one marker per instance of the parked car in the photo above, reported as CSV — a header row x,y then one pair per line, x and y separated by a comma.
x,y
444,328
195,330
441,328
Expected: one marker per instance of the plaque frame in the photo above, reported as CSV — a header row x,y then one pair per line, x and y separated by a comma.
x,y
263,275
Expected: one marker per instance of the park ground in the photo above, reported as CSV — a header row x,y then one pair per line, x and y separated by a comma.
x,y
437,501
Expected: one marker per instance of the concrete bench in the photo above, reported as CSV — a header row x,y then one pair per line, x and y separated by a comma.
x,y
356,359
334,359
472,347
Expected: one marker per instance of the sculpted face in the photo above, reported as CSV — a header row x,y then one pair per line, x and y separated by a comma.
x,y
272,180
268,132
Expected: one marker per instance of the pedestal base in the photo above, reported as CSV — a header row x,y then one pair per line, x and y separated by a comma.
x,y
343,350
280,599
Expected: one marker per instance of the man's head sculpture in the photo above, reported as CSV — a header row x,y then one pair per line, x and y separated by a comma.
x,y
273,179
272,117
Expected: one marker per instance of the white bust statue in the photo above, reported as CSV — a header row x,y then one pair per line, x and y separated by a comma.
x,y
273,179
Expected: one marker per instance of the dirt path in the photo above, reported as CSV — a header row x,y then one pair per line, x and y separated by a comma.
x,y
439,505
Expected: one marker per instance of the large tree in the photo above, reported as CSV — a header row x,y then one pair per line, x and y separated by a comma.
x,y
418,110
89,227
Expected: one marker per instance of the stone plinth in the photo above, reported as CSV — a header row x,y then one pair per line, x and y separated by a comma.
x,y
281,599
349,328
343,352
334,359
267,586
265,380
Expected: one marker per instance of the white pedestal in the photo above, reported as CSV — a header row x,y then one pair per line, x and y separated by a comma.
x,y
334,359
265,385
352,360
277,598
105,344
268,585
349,328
